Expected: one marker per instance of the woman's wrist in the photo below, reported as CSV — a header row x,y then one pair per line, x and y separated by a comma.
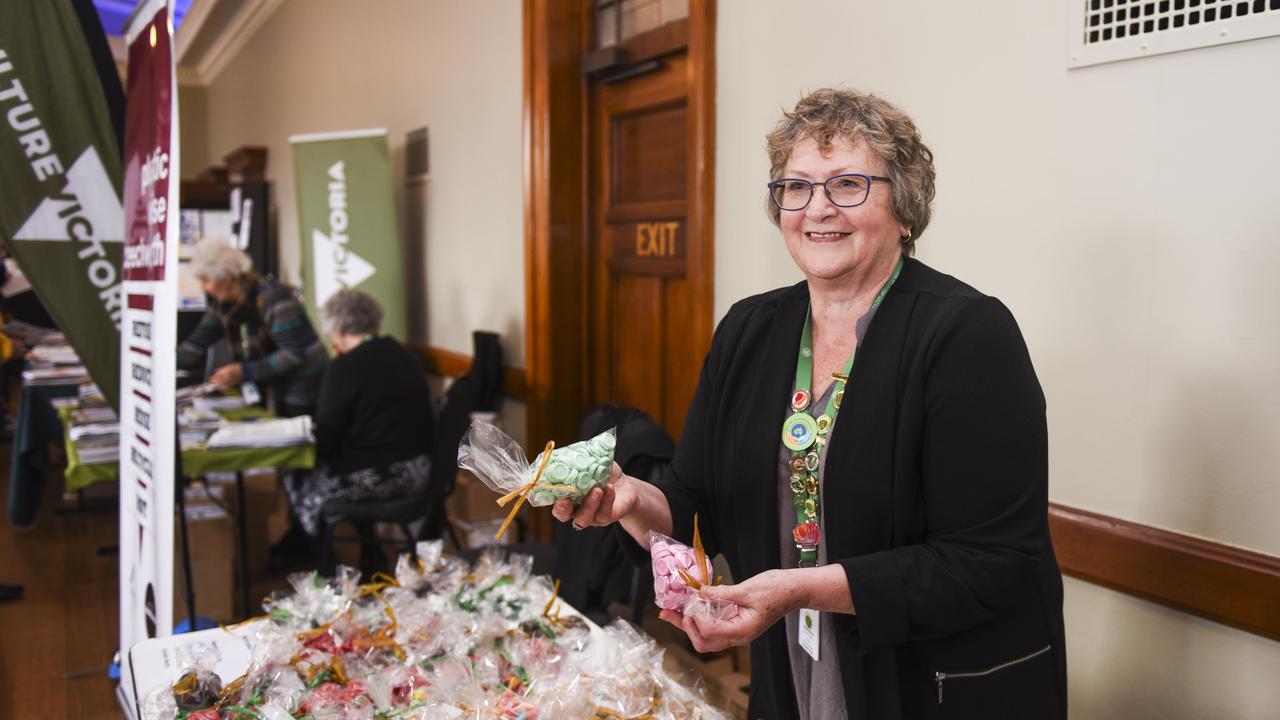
x,y
650,512
824,588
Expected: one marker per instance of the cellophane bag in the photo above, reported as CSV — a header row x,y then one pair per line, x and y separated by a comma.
x,y
198,687
571,471
670,558
442,640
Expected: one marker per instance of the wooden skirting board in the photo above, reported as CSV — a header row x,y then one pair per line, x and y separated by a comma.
x,y
1220,582
447,363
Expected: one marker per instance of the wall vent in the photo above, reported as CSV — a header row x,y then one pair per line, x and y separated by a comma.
x,y
1110,30
415,152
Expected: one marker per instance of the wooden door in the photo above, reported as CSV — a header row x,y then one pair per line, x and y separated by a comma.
x,y
641,336
619,167
644,350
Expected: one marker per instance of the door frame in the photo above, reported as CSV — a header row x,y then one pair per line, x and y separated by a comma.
x,y
557,34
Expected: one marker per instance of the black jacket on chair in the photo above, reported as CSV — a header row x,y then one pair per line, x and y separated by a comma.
x,y
936,501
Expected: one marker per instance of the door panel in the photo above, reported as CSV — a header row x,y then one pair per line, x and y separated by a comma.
x,y
648,146
637,343
646,353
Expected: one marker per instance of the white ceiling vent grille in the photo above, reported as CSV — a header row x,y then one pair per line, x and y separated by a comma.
x,y
1110,30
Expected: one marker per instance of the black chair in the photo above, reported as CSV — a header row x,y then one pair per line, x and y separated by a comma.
x,y
451,424
402,511
425,506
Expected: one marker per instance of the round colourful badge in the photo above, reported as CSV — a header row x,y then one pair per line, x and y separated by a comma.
x,y
799,431
824,424
799,400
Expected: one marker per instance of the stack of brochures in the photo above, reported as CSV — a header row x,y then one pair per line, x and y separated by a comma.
x,y
281,432
56,375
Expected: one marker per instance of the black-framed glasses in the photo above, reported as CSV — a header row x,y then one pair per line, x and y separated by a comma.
x,y
842,190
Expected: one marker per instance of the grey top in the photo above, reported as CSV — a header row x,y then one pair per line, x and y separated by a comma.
x,y
819,688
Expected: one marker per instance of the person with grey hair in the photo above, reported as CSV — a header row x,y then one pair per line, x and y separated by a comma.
x,y
272,342
374,420
868,450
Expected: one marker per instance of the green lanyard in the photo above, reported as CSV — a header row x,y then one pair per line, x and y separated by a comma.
x,y
804,436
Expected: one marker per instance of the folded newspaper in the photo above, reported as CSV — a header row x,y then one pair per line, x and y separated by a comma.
x,y
281,432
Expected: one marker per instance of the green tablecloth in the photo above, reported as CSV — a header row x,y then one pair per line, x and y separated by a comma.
x,y
197,460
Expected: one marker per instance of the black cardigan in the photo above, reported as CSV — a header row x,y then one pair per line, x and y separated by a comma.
x,y
374,408
936,501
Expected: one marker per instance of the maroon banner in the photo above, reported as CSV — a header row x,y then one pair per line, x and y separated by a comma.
x,y
149,328
147,151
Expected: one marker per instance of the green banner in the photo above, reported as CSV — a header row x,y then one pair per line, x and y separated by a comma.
x,y
347,219
61,216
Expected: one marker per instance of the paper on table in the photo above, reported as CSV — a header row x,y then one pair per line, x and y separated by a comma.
x,y
84,415
195,391
281,432
94,430
53,354
62,375
212,403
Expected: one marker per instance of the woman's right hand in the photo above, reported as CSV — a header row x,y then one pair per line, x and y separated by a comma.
x,y
603,505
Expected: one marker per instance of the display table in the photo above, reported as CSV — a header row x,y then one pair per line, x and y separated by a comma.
x,y
443,639
196,461
200,460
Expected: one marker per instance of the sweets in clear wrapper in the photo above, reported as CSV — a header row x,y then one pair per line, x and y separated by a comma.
x,y
442,640
679,572
570,471
670,559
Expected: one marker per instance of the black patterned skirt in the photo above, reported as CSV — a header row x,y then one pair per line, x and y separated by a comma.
x,y
309,490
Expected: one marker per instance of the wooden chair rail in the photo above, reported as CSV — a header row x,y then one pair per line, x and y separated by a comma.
x,y
1220,582
447,363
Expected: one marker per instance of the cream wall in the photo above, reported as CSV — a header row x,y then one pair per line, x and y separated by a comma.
x,y
1128,216
326,65
193,130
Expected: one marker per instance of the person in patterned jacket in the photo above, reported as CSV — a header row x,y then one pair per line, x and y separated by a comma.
x,y
273,343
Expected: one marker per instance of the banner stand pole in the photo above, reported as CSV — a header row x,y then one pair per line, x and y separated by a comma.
x,y
180,485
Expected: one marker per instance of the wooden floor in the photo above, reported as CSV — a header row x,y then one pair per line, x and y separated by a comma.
x,y
56,643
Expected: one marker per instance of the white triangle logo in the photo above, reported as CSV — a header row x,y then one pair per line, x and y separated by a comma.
x,y
88,187
337,267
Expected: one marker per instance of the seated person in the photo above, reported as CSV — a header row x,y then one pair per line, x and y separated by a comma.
x,y
374,421
272,341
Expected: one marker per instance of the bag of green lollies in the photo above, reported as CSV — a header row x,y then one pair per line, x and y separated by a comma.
x,y
571,471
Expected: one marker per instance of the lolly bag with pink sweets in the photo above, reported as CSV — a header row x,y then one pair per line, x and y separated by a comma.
x,y
679,571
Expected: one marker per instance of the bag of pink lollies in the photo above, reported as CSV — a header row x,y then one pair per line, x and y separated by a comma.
x,y
671,558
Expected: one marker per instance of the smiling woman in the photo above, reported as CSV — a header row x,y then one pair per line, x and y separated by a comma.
x,y
900,544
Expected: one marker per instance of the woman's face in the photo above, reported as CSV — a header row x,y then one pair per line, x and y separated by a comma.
x,y
224,291
829,242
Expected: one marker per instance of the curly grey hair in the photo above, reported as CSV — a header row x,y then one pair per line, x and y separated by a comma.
x,y
351,312
830,115
214,259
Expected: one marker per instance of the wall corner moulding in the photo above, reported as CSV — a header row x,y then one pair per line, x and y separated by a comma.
x,y
231,38
1104,31
211,35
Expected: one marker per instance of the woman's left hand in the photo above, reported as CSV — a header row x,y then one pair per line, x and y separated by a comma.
x,y
760,601
227,375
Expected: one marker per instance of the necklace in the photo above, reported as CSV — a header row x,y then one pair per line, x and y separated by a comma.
x,y
805,436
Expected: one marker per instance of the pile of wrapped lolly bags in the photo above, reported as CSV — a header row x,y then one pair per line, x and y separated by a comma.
x,y
441,640
569,472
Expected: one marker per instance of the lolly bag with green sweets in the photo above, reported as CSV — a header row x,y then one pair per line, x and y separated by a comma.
x,y
568,472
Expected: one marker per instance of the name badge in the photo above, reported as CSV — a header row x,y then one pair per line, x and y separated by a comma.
x,y
809,629
250,393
